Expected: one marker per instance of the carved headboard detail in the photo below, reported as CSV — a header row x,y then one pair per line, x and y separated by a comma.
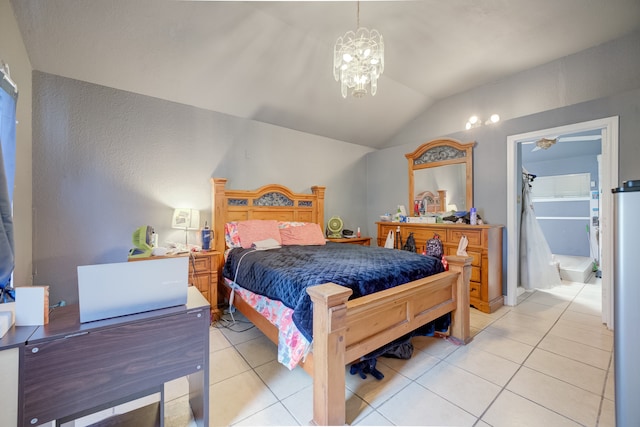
x,y
271,201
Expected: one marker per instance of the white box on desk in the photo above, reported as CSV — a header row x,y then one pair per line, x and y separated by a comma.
x,y
32,305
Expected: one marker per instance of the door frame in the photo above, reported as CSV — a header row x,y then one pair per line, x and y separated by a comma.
x,y
608,180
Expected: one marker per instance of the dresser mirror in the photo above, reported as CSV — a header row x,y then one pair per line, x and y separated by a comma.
x,y
440,177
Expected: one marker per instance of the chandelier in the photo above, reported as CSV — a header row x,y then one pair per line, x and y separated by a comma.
x,y
358,60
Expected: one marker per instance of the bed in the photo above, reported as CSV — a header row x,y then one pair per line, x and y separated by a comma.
x,y
343,329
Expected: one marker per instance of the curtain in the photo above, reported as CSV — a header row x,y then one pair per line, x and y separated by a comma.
x,y
8,99
537,269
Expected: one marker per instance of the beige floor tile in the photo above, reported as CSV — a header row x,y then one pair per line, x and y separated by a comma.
x,y
609,386
237,398
417,406
527,321
419,363
274,415
374,419
226,363
436,347
553,300
480,320
577,373
577,351
300,405
240,332
587,328
509,410
607,414
535,309
586,305
567,288
558,396
498,313
523,297
373,391
176,388
601,341
281,381
522,333
462,388
585,321
495,369
177,413
258,351
217,340
499,345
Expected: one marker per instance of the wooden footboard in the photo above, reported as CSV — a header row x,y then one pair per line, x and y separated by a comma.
x,y
345,330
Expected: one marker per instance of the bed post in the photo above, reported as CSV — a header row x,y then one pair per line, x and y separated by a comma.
x,y
318,191
218,211
329,326
460,328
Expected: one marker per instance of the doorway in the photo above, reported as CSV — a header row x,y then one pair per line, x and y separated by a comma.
x,y
608,178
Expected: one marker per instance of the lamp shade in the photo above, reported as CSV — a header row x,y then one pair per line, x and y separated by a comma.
x,y
186,219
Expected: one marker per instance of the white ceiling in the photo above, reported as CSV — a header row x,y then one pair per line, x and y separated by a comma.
x,y
272,61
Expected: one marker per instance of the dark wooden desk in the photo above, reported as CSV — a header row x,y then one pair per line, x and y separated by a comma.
x,y
68,368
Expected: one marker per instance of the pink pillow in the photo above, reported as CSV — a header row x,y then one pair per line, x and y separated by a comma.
x,y
307,234
254,230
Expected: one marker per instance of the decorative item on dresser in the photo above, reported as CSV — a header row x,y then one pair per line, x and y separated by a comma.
x,y
364,241
485,247
203,274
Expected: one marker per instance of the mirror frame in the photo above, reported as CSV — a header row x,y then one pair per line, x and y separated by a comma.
x,y
441,152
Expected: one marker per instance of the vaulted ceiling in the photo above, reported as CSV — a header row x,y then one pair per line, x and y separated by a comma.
x,y
272,61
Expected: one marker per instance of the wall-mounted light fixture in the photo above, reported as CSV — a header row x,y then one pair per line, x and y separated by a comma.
x,y
474,121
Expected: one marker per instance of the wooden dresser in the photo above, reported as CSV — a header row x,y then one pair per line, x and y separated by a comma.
x,y
485,247
203,274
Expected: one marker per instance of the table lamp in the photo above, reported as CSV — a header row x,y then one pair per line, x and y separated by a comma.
x,y
186,219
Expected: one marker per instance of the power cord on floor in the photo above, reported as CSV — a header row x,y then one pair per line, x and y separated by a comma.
x,y
228,321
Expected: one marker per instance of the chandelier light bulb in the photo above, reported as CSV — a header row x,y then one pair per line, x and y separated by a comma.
x,y
473,120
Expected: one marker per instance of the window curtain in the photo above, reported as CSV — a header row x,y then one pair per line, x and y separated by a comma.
x,y
8,99
537,269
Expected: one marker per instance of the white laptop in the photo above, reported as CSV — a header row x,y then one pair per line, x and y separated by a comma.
x,y
111,290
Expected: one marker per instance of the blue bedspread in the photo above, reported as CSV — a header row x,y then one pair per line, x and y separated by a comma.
x,y
284,274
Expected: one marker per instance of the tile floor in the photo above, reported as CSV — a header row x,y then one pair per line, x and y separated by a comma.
x,y
547,361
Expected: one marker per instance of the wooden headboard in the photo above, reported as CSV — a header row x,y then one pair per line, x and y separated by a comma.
x,y
271,201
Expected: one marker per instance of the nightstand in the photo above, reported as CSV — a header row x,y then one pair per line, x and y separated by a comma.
x,y
203,274
363,241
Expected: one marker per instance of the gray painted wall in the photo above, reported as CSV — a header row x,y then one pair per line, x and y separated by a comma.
x,y
591,74
107,161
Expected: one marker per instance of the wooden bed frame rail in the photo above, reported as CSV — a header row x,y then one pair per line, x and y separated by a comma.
x,y
345,330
